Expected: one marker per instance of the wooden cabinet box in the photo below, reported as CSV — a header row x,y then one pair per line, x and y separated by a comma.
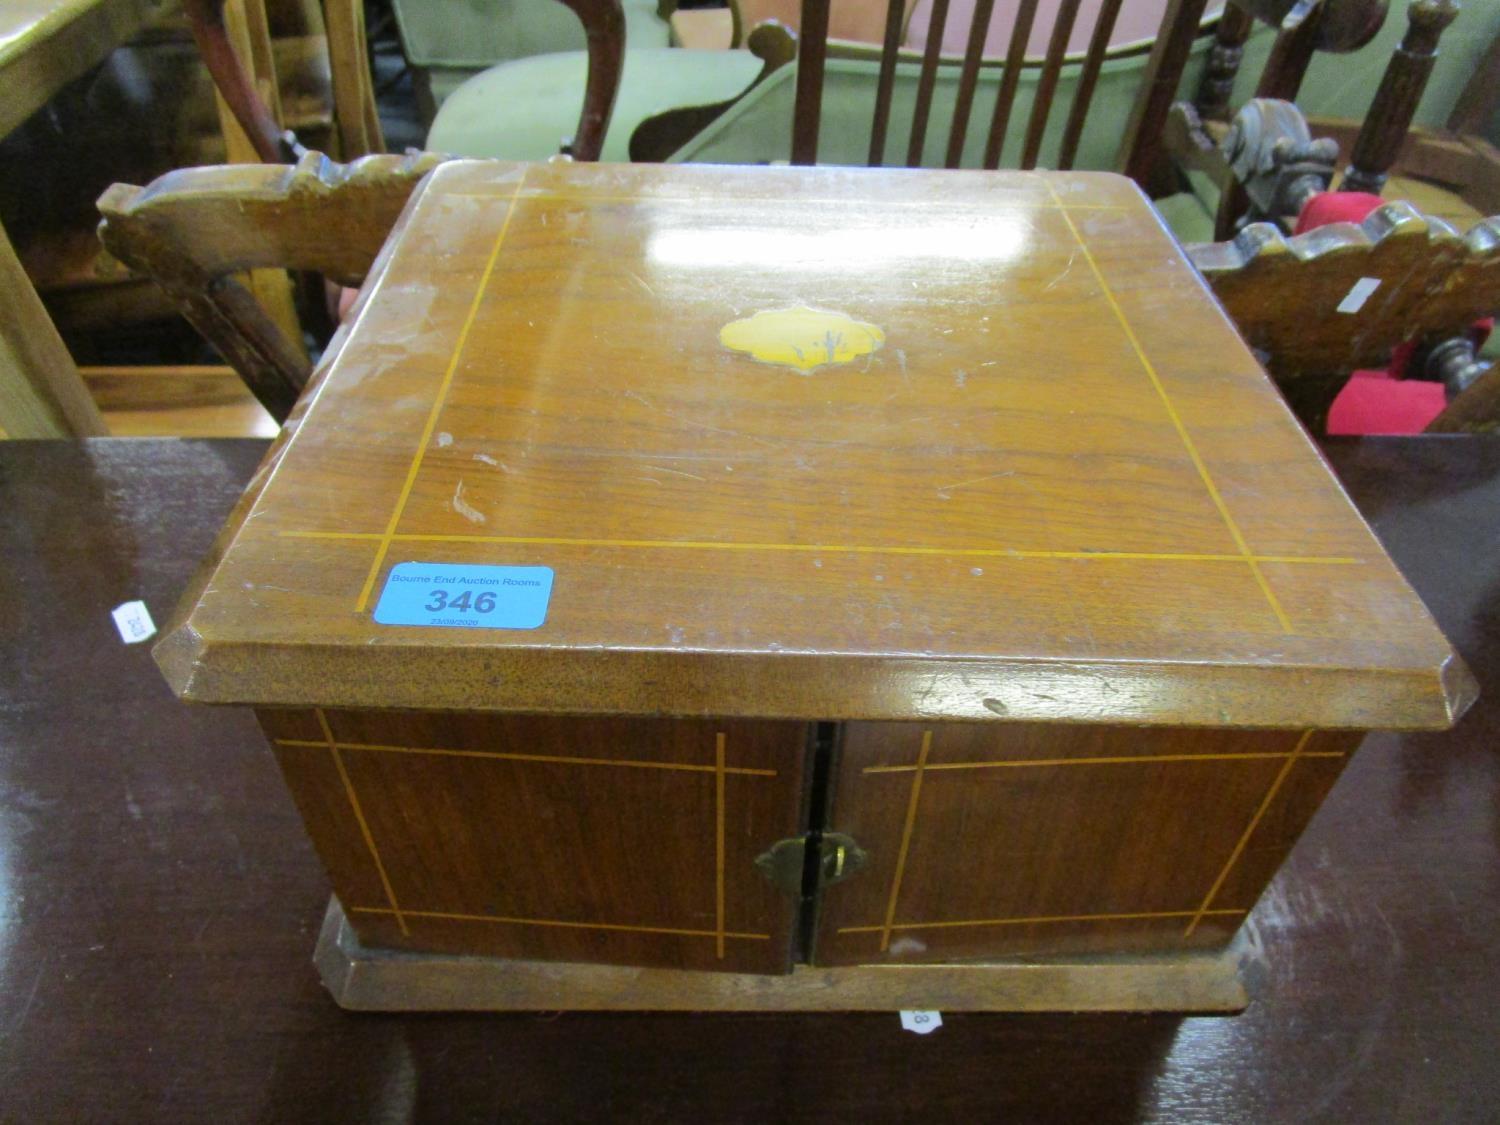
x,y
730,568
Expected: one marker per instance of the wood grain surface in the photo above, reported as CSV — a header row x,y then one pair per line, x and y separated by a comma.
x,y
1059,489
635,841
627,841
160,901
1023,838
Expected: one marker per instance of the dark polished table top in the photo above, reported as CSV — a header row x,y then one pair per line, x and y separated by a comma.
x,y
158,902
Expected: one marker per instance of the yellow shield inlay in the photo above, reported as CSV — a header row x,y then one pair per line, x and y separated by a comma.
x,y
802,338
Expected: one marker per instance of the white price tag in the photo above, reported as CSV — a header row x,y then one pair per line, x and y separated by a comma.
x,y
1358,294
133,620
922,1023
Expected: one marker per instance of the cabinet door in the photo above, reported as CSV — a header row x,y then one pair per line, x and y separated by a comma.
x,y
994,839
627,841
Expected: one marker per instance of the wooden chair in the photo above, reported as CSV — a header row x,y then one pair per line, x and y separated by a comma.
x,y
1457,161
194,231
42,47
1020,94
875,47
1307,305
604,29
1266,161
111,47
234,43
1271,167
1169,53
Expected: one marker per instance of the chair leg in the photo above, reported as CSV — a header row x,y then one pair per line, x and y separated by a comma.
x,y
41,392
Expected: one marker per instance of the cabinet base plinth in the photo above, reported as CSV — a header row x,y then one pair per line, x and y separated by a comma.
x,y
365,979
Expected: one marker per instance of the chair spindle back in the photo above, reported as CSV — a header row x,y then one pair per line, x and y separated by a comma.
x,y
1179,25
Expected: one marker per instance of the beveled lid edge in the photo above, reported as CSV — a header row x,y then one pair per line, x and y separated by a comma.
x,y
178,654
818,687
1460,690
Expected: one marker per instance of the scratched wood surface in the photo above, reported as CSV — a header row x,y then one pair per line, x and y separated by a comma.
x,y
1041,479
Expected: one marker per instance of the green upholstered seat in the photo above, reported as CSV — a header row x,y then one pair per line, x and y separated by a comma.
x,y
1186,216
524,109
480,33
757,130
453,40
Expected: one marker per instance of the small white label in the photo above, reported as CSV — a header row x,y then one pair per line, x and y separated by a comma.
x,y
1358,294
923,1023
133,620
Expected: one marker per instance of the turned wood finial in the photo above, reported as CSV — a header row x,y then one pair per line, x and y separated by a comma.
x,y
1395,103
1455,363
1217,84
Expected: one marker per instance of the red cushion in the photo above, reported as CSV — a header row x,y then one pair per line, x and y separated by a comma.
x,y
1336,207
1372,402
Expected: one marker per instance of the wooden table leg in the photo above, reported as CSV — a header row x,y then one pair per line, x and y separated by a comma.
x,y
41,392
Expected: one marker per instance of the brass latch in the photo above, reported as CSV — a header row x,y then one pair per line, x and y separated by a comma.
x,y
785,861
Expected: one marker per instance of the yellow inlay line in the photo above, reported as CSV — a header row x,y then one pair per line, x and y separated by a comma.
x,y
1034,921
1239,848
506,756
906,830
824,548
719,843
1021,763
1182,431
498,919
359,815
438,402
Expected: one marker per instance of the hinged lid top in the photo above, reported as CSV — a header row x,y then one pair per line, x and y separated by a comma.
x,y
819,443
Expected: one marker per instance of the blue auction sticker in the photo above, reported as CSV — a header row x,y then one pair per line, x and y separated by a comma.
x,y
466,597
